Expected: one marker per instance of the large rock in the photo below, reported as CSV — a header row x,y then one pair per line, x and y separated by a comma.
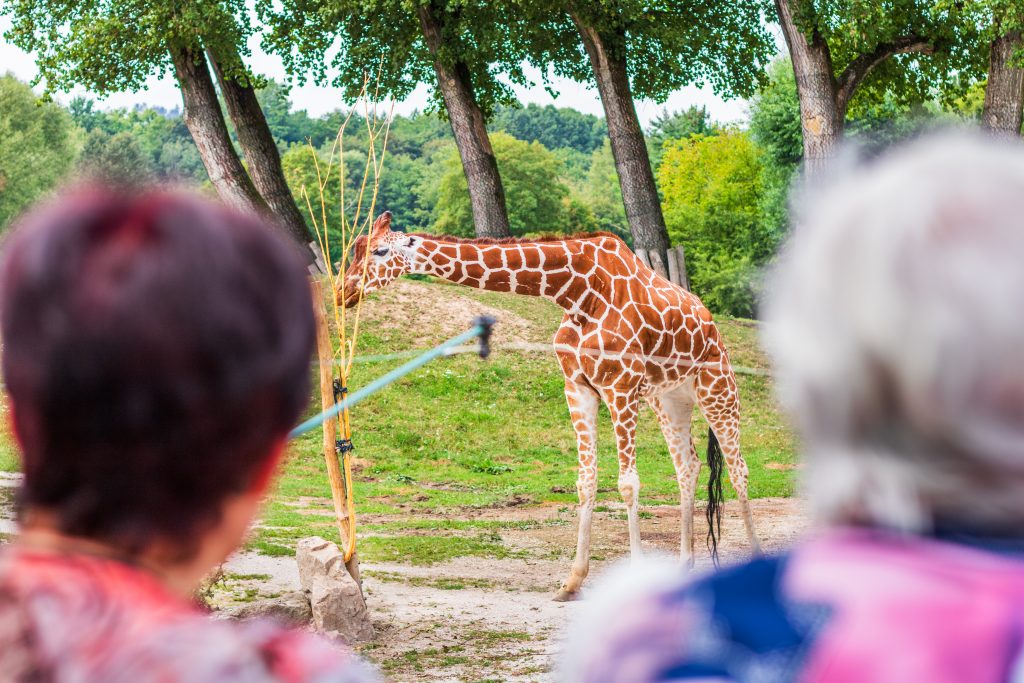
x,y
292,609
336,599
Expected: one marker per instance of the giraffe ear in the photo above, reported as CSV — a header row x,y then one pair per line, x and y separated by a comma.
x,y
381,226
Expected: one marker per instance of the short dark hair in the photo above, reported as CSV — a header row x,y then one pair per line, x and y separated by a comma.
x,y
155,345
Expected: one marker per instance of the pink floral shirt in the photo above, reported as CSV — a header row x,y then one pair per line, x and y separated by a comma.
x,y
76,618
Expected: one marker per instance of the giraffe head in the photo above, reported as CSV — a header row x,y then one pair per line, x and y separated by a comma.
x,y
378,259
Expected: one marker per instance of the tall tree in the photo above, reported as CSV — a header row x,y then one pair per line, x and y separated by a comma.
x,y
114,45
457,46
647,49
258,145
1004,93
840,47
1003,111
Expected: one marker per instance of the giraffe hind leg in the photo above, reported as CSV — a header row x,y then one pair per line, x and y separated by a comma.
x,y
623,405
674,411
718,399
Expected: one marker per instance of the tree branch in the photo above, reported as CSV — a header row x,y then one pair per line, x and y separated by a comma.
x,y
860,67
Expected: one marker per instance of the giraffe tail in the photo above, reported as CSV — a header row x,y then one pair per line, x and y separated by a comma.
x,y
716,464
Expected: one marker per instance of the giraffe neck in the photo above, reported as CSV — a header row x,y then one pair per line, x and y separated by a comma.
x,y
543,269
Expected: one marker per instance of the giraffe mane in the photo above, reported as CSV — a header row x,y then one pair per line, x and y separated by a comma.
x,y
451,239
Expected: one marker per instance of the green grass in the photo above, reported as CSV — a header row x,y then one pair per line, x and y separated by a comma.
x,y
9,461
464,434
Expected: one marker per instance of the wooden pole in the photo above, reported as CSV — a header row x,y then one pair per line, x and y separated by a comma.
x,y
658,264
673,267
642,255
684,278
325,354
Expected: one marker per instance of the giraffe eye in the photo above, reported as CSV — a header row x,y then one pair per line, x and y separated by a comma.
x,y
382,251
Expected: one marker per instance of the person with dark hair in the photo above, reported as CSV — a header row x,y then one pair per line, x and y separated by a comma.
x,y
156,351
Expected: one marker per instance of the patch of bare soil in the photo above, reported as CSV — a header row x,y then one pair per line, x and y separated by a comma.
x,y
425,315
476,618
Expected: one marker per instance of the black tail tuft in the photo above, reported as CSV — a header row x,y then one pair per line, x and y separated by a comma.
x,y
714,510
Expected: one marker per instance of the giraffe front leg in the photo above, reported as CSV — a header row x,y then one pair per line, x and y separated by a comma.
x,y
674,412
624,408
583,411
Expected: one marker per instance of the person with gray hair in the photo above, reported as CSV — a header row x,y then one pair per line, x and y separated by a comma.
x,y
893,317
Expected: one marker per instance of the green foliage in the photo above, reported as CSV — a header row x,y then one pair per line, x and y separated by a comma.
x,y
677,126
297,126
775,116
775,127
603,195
116,159
553,127
534,190
666,44
115,45
166,147
38,149
713,190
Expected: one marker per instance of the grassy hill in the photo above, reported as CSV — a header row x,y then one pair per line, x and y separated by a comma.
x,y
464,434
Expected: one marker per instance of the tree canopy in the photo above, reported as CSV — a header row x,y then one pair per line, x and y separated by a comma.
x,y
667,45
115,45
383,40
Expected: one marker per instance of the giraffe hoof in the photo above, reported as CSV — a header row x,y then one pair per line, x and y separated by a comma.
x,y
566,596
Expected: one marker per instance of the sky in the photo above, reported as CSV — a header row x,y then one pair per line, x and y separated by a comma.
x,y
320,99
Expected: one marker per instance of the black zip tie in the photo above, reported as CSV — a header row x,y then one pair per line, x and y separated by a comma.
x,y
486,324
343,446
339,391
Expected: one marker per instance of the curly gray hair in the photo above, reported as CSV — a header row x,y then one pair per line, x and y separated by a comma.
x,y
895,319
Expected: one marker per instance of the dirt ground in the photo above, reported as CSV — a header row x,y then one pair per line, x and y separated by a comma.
x,y
480,619
484,619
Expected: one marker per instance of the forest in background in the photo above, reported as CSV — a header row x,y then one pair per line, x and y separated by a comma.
x,y
723,188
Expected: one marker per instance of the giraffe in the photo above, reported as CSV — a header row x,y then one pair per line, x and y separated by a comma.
x,y
627,335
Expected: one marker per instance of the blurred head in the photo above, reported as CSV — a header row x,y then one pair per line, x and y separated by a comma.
x,y
156,350
378,259
894,317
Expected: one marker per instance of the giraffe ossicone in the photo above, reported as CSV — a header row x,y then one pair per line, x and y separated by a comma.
x,y
627,335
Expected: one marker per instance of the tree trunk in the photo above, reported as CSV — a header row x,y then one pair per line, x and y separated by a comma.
x,y
822,115
486,192
1004,94
632,162
260,150
205,123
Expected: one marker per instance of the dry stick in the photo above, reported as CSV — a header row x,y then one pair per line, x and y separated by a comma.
x,y
344,508
325,351
347,347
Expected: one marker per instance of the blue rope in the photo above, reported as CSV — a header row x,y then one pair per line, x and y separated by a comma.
x,y
481,329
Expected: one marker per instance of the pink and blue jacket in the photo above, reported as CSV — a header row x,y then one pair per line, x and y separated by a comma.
x,y
852,606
